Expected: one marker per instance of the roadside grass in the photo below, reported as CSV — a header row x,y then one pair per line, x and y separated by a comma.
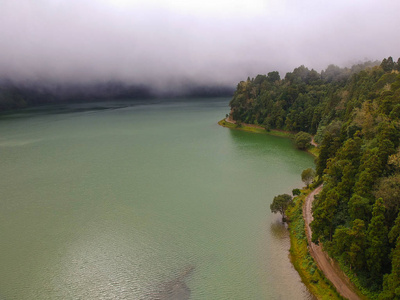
x,y
363,291
302,261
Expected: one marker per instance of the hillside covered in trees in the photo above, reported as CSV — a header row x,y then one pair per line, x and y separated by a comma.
x,y
354,114
19,94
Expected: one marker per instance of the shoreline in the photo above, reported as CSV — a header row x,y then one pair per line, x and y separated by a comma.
x,y
325,263
301,256
254,128
313,149
305,265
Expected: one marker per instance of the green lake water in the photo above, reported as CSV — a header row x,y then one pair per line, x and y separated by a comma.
x,y
132,201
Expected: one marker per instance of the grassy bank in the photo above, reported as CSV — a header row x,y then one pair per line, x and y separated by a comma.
x,y
258,129
305,265
301,259
313,151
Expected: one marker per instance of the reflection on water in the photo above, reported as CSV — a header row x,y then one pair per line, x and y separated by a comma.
x,y
175,289
123,203
279,229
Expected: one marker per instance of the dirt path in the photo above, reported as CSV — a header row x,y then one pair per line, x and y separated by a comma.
x,y
313,142
325,263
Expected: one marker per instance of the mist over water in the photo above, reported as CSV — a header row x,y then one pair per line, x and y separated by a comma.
x,y
143,201
170,44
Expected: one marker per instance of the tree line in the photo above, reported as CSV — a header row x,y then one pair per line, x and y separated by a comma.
x,y
354,114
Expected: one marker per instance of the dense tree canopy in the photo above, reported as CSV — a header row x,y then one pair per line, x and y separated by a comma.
x,y
354,114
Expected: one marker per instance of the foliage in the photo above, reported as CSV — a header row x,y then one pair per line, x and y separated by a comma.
x,y
255,129
301,101
377,237
307,176
301,258
296,192
388,188
302,140
280,204
391,282
355,114
394,159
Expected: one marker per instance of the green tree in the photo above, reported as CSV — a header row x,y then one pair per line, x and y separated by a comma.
x,y
365,183
274,76
370,170
349,244
358,241
296,192
359,208
395,231
307,176
345,186
377,241
280,204
386,149
388,64
355,114
325,152
388,189
324,212
391,282
394,159
302,140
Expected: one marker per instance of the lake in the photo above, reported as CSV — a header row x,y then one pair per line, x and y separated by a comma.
x,y
136,200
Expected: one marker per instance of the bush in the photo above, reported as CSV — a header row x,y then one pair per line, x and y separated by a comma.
x,y
302,140
307,176
296,192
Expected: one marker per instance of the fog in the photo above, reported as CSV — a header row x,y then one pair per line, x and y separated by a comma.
x,y
164,43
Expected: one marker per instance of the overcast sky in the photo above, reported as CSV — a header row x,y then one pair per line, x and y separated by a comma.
x,y
161,42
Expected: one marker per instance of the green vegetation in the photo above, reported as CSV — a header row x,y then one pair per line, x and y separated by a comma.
x,y
307,176
313,150
296,192
355,117
280,204
312,277
302,140
256,129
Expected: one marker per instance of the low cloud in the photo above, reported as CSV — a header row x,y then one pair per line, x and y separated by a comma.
x,y
163,43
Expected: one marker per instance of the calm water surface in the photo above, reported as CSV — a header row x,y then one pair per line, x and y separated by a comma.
x,y
123,201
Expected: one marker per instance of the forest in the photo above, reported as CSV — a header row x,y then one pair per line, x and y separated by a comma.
x,y
354,115
17,94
